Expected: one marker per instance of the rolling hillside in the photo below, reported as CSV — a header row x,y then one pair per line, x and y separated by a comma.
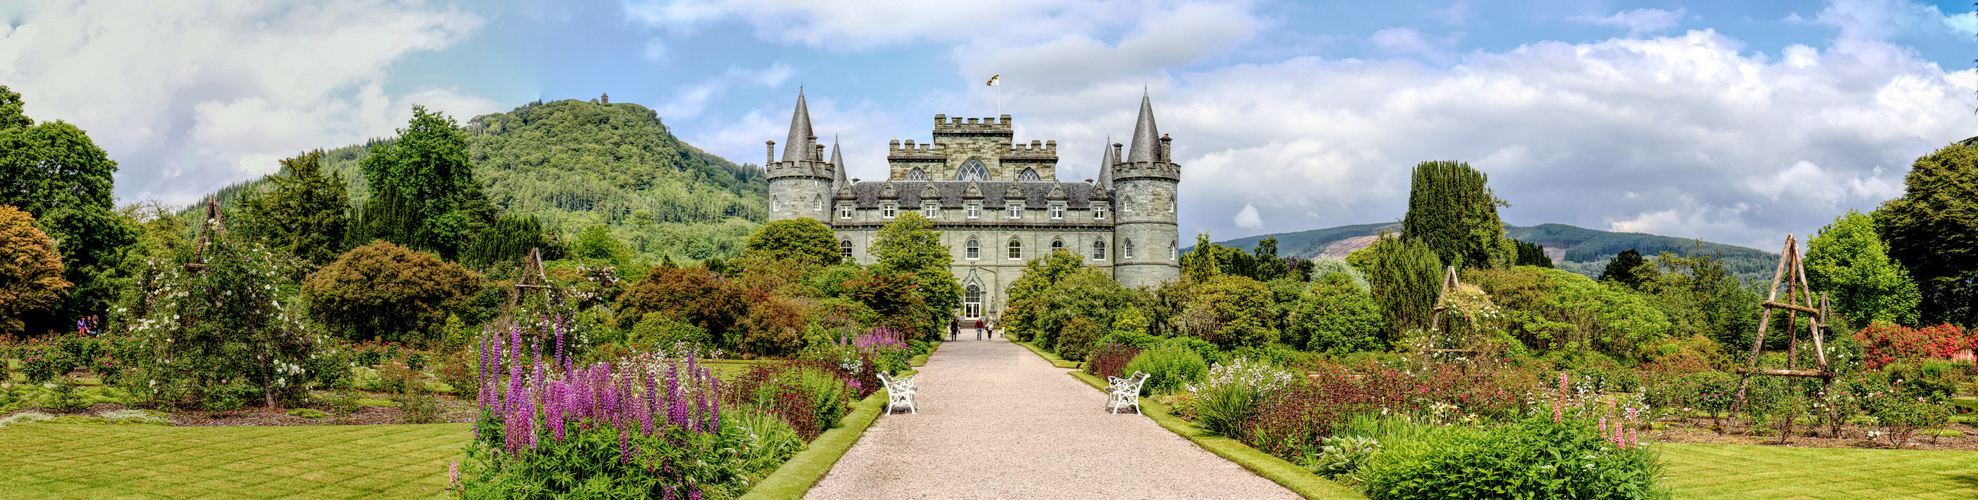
x,y
1572,248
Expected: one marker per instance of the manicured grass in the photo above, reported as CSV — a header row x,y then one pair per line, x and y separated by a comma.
x,y
795,477
338,461
1048,356
1286,474
1742,471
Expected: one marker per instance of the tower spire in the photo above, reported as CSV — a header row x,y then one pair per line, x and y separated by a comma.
x,y
1146,137
799,145
837,165
1106,164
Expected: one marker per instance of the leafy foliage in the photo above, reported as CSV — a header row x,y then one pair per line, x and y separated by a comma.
x,y
303,215
802,240
1336,316
423,192
30,268
1531,254
1450,209
1406,277
388,292
1232,312
1549,309
1932,230
1848,260
695,295
910,245
1530,459
1170,366
53,171
1885,343
1625,268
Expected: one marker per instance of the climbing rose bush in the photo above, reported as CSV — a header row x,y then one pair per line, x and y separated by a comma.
x,y
1884,343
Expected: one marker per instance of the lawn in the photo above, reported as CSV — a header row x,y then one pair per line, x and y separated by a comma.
x,y
1741,471
139,461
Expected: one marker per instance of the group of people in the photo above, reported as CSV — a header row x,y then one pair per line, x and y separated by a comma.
x,y
981,328
89,325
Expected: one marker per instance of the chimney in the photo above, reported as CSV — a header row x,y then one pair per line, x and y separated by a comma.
x,y
771,145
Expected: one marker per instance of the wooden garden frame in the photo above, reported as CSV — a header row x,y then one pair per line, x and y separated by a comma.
x,y
1799,298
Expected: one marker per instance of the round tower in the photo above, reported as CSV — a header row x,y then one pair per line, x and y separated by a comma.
x,y
800,185
1144,185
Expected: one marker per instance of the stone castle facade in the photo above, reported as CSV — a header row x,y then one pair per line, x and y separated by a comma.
x,y
996,202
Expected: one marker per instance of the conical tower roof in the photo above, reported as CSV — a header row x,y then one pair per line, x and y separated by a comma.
x,y
1106,165
798,147
1146,136
838,164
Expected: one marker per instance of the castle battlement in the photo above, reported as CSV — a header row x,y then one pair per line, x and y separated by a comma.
x,y
943,124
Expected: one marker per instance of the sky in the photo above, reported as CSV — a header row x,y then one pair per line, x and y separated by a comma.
x,y
1737,122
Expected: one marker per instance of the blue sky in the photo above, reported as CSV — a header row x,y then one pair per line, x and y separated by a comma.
x,y
1730,121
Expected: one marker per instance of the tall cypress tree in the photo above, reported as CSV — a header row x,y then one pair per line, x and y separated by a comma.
x,y
1451,210
424,195
305,213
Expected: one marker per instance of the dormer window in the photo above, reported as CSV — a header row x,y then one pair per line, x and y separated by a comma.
x,y
1098,212
1028,175
1057,211
844,211
1016,210
930,209
974,210
888,210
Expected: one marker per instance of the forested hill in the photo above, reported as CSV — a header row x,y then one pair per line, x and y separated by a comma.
x,y
1572,248
574,164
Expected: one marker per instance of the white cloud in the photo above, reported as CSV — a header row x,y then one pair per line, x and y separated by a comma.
x,y
1248,218
690,100
172,89
1407,41
1638,21
1885,19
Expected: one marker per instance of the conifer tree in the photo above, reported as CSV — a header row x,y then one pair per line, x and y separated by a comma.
x,y
304,213
1625,268
424,195
1451,209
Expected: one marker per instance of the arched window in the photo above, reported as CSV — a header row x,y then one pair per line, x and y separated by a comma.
x,y
775,203
845,249
1016,250
972,171
1126,203
1174,248
974,251
1098,250
1029,174
816,203
972,301
916,175
1126,250
1057,244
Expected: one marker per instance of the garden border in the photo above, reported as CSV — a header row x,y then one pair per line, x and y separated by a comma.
x,y
1053,358
796,477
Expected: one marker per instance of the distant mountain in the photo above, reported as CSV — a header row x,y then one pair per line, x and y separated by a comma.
x,y
1577,249
574,164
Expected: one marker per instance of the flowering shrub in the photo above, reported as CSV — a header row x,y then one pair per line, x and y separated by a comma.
x,y
1231,393
1169,366
1110,361
1293,423
1711,392
1884,343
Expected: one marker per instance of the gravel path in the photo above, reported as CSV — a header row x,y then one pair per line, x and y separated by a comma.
x,y
997,421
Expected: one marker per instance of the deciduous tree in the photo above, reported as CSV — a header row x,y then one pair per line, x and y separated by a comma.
x,y
388,292
30,269
423,192
802,240
54,171
1848,260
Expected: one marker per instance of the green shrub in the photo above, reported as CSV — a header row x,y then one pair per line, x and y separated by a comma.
x,y
1229,396
658,330
1529,459
1133,339
308,413
1335,315
1078,339
1169,366
1340,458
1934,379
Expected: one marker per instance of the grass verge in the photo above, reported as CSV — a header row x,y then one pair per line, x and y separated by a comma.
x,y
117,461
1745,471
1048,356
796,476
1292,477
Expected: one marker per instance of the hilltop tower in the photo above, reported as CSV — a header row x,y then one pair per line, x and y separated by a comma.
x,y
801,184
1144,186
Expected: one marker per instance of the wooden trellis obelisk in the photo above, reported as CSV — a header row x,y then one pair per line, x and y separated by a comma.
x,y
533,279
1449,285
1799,299
213,221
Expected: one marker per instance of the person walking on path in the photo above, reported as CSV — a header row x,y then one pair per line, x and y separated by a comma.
x,y
954,328
978,328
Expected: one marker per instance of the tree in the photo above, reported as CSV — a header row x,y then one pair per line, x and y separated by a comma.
x,y
30,269
1336,316
910,245
1531,254
1932,231
695,295
423,192
1625,268
1407,277
54,171
802,240
1450,208
304,213
1848,260
1232,312
388,292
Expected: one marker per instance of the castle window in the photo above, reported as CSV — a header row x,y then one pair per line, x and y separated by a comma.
x,y
888,210
1126,203
1098,212
1171,206
775,204
817,204
1016,210
844,211
930,209
974,210
972,171
972,301
1174,247
1029,174
1126,250
845,249
916,175
1098,250
1057,244
1016,250
974,251
1057,211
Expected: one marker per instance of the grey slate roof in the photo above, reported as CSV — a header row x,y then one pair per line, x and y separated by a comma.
x,y
1146,137
838,166
1077,194
798,147
1106,163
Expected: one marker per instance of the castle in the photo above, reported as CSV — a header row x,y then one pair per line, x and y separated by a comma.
x,y
997,203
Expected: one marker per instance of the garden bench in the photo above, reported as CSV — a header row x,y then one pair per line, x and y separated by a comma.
x,y
899,391
1124,392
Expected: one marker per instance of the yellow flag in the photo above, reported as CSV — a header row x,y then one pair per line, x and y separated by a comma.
x,y
994,79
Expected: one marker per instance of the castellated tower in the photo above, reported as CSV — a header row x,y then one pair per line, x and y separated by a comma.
x,y
1144,185
801,185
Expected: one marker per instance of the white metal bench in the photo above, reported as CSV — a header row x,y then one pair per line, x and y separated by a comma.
x,y
899,391
1123,392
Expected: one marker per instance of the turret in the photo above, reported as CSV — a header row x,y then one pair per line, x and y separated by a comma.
x,y
801,184
1144,186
